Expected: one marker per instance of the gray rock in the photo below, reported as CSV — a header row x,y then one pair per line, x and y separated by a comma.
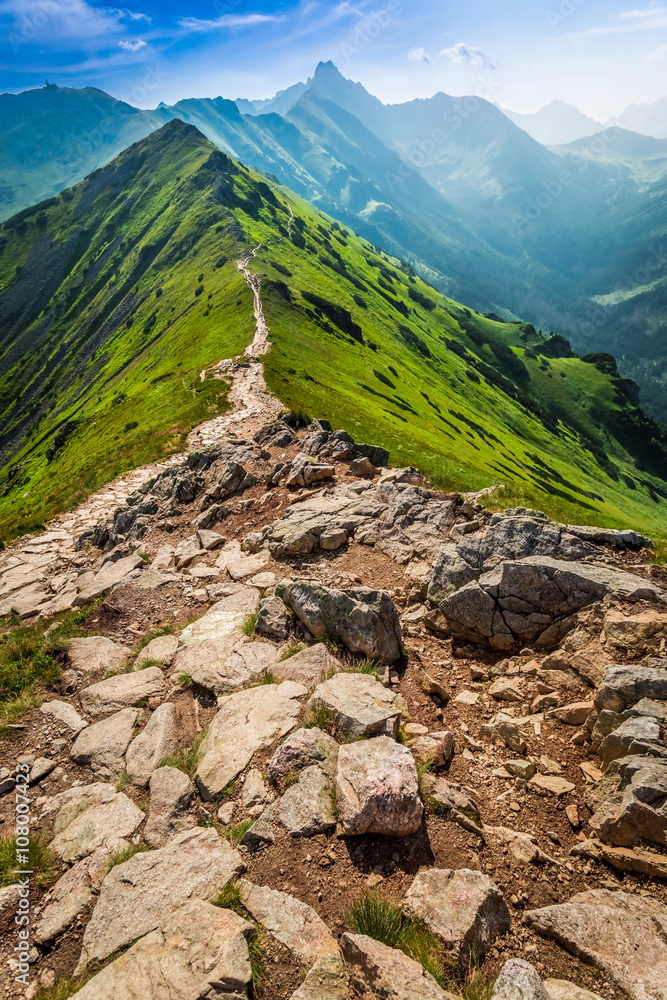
x,y
328,980
631,801
308,667
139,895
229,479
97,653
304,749
65,713
110,575
158,740
169,812
307,470
503,734
307,807
377,789
223,621
365,621
255,795
246,722
122,691
632,738
103,746
464,908
519,980
387,973
272,618
301,527
163,648
89,818
73,893
213,665
561,989
620,933
288,920
623,686
198,951
360,705
533,601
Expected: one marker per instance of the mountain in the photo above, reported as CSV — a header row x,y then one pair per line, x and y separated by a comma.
x,y
560,236
556,124
55,136
280,104
649,119
116,296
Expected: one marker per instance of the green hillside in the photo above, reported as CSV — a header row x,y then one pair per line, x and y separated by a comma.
x,y
115,296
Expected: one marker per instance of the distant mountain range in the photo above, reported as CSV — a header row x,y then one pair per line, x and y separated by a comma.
x,y
557,124
569,238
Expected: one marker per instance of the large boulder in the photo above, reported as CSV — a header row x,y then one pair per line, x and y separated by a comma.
x,y
246,722
103,746
365,621
620,933
634,737
377,790
387,973
224,620
339,510
634,632
122,691
158,740
533,600
464,908
360,705
630,801
170,808
199,950
89,818
624,686
139,895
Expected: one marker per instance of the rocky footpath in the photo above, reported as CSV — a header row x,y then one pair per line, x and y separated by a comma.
x,y
303,676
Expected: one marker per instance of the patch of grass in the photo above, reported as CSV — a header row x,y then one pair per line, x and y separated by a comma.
x,y
208,822
249,625
186,760
229,898
151,662
228,792
120,857
63,988
402,737
269,678
237,831
292,650
318,717
127,669
290,779
29,662
658,555
146,557
378,918
368,666
168,629
41,861
477,986
333,643
124,780
422,769
185,681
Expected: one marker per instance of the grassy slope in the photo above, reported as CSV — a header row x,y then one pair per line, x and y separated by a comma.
x,y
170,214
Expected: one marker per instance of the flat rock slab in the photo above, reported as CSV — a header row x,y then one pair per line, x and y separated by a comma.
x,y
624,686
242,567
388,974
246,722
631,801
365,621
328,980
295,924
198,950
377,789
90,818
360,705
215,666
139,895
158,740
73,893
225,618
464,908
65,713
162,648
103,745
110,575
618,932
97,653
561,989
308,667
169,811
122,691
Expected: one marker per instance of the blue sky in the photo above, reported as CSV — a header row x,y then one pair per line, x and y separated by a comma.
x,y
600,55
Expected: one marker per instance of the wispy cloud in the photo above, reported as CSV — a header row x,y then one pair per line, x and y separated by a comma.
x,y
650,18
195,24
134,46
462,53
419,55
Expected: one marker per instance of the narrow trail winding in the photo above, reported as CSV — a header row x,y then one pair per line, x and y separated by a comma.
x,y
252,406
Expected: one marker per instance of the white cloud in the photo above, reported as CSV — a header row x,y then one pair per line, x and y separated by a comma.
x,y
191,24
419,55
462,53
133,46
652,11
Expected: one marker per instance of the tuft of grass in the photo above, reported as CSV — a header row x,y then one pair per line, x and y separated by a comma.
x,y
292,650
658,555
367,666
228,792
63,988
229,898
185,681
124,780
422,769
402,737
290,779
168,629
146,557
378,918
237,831
151,662
333,643
319,717
269,678
186,760
120,857
41,861
249,625
29,662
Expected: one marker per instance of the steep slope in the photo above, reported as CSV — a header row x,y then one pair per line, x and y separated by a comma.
x,y
118,295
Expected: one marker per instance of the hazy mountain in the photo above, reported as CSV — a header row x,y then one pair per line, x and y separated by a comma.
x,y
649,119
556,124
117,294
280,104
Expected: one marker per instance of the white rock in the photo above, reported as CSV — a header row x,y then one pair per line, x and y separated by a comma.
x,y
169,812
97,653
89,818
288,920
361,706
158,740
103,745
163,648
122,691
